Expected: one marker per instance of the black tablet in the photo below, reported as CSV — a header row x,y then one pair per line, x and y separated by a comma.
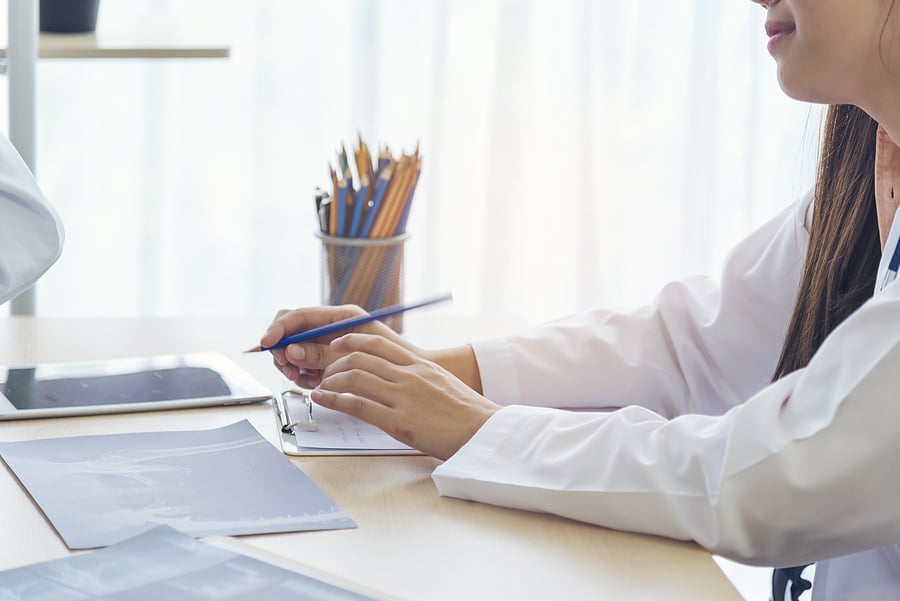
x,y
125,385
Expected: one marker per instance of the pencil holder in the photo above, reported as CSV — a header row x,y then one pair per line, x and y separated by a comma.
x,y
363,271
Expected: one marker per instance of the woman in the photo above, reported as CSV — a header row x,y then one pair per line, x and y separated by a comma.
x,y
31,234
757,416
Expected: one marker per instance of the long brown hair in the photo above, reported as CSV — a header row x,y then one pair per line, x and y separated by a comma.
x,y
844,248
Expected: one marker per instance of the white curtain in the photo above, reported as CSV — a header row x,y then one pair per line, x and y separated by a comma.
x,y
576,152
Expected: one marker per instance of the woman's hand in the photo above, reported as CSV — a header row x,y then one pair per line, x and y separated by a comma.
x,y
379,380
303,363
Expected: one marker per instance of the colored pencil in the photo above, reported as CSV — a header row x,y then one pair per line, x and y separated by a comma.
x,y
348,324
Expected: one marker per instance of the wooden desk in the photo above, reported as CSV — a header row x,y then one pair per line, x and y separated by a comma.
x,y
411,543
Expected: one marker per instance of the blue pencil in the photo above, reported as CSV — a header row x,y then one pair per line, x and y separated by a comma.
x,y
341,207
348,324
358,206
384,159
376,203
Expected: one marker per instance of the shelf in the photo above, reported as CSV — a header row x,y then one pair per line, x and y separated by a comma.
x,y
151,40
147,37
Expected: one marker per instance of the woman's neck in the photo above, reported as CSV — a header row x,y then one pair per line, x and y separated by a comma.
x,y
887,182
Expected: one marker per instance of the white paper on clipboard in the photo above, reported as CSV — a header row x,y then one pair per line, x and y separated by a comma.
x,y
336,433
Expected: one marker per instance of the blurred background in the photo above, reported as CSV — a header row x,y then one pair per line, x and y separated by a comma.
x,y
576,152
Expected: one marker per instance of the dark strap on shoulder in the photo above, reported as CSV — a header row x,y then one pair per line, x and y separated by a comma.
x,y
784,577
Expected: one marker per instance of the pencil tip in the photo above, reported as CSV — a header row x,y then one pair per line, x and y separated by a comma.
x,y
255,349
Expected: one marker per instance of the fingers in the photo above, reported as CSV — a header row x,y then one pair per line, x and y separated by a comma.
x,y
363,375
306,363
376,345
367,366
299,320
290,372
300,358
301,377
307,356
308,379
275,331
359,407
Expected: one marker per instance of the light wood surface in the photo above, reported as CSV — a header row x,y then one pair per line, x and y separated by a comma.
x,y
411,543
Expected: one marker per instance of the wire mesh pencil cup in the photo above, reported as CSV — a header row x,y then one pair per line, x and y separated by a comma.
x,y
363,271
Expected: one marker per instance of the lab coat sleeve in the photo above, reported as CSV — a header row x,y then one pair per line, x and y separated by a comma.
x,y
805,469
31,233
701,347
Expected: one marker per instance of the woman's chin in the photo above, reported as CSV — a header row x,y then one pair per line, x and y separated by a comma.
x,y
803,89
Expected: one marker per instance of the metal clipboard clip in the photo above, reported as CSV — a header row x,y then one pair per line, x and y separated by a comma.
x,y
294,419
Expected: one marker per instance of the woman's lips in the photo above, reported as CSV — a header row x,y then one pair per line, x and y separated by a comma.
x,y
777,31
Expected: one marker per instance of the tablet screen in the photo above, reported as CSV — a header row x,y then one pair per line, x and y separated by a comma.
x,y
75,388
25,391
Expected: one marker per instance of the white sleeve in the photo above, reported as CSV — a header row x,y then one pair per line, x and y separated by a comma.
x,y
701,347
31,234
804,470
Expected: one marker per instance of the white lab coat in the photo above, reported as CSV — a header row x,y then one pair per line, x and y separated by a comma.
x,y
702,447
31,233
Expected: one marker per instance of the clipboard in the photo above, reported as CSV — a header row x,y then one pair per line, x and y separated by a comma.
x,y
305,428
